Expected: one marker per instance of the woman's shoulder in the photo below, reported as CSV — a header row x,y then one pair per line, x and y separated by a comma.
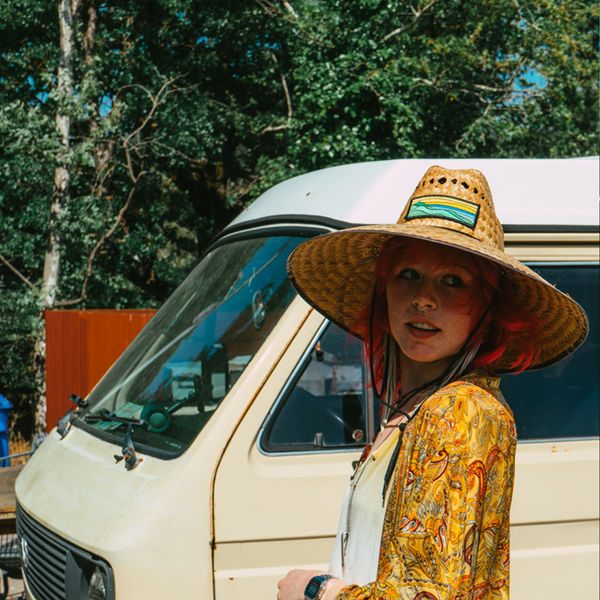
x,y
474,396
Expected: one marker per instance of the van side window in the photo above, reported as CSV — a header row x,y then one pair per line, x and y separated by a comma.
x,y
562,401
327,405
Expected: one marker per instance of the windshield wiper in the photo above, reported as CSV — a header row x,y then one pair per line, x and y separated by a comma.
x,y
128,451
106,415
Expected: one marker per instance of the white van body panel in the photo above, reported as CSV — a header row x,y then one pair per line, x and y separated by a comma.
x,y
554,521
226,520
526,191
290,516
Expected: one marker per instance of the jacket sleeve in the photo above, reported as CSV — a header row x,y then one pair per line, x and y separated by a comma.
x,y
446,528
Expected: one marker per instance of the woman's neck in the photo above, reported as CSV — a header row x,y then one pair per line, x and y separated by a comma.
x,y
416,374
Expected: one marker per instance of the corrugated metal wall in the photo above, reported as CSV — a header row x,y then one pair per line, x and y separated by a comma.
x,y
81,345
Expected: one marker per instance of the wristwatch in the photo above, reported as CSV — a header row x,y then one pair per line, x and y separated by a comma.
x,y
316,586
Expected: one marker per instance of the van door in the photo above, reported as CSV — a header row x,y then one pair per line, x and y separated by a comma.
x,y
280,485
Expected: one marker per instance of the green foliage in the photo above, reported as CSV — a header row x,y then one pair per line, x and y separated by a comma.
x,y
19,321
213,103
455,83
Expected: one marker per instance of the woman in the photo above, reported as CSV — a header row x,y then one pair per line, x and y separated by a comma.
x,y
442,310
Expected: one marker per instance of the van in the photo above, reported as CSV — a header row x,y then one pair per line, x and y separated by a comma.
x,y
213,456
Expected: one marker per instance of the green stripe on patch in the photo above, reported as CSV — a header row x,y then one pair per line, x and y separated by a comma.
x,y
444,207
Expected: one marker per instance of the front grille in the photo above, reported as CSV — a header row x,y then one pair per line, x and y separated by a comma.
x,y
44,556
54,568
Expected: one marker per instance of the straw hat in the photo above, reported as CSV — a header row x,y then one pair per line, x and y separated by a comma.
x,y
334,272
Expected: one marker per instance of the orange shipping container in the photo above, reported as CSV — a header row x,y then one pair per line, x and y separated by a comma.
x,y
81,345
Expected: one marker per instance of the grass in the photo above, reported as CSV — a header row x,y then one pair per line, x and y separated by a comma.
x,y
18,445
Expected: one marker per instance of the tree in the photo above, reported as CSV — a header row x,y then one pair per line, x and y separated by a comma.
x,y
109,227
123,156
378,80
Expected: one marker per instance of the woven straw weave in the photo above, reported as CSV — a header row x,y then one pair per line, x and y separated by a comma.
x,y
334,272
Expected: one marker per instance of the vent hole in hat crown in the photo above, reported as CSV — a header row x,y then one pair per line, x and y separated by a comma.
x,y
431,181
464,184
475,191
454,181
442,180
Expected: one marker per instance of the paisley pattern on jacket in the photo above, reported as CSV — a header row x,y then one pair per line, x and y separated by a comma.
x,y
446,529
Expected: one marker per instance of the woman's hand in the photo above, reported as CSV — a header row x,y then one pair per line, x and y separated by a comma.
x,y
293,585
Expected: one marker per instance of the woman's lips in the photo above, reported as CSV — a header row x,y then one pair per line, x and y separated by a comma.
x,y
421,330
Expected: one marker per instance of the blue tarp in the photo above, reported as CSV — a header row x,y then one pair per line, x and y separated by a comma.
x,y
5,406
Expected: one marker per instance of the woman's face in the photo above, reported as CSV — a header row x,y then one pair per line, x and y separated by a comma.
x,y
442,288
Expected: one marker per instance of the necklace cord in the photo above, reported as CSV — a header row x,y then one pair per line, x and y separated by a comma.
x,y
391,465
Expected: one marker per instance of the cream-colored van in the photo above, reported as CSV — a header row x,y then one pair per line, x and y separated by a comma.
x,y
212,458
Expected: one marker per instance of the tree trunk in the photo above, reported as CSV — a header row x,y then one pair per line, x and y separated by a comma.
x,y
103,149
61,193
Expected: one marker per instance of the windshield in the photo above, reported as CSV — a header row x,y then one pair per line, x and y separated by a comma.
x,y
183,363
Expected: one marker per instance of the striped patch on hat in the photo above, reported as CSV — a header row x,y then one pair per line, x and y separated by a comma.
x,y
444,207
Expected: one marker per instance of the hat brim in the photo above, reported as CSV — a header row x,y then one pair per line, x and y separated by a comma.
x,y
334,274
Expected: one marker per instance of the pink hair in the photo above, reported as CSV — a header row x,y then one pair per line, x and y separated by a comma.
x,y
505,323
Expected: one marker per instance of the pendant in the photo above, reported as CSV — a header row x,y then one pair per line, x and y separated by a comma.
x,y
344,546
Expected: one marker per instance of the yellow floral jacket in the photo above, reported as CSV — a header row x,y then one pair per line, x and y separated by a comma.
x,y
446,528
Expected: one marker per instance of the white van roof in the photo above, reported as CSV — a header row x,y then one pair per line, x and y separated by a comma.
x,y
533,192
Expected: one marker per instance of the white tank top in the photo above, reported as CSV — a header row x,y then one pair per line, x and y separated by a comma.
x,y
365,523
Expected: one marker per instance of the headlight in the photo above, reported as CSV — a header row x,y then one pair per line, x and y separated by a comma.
x,y
88,577
97,589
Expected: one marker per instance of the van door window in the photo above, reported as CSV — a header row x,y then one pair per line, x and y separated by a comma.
x,y
327,405
562,401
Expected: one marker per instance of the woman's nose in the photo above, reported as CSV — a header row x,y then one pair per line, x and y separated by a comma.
x,y
425,298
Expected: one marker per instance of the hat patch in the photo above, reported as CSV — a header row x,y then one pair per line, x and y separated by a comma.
x,y
444,207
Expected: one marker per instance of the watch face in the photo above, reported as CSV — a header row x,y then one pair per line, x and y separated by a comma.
x,y
312,588
314,585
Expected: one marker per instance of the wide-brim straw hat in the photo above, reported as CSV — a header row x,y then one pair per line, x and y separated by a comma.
x,y
334,272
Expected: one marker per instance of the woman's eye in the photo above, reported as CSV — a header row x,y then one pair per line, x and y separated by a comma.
x,y
409,274
453,280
